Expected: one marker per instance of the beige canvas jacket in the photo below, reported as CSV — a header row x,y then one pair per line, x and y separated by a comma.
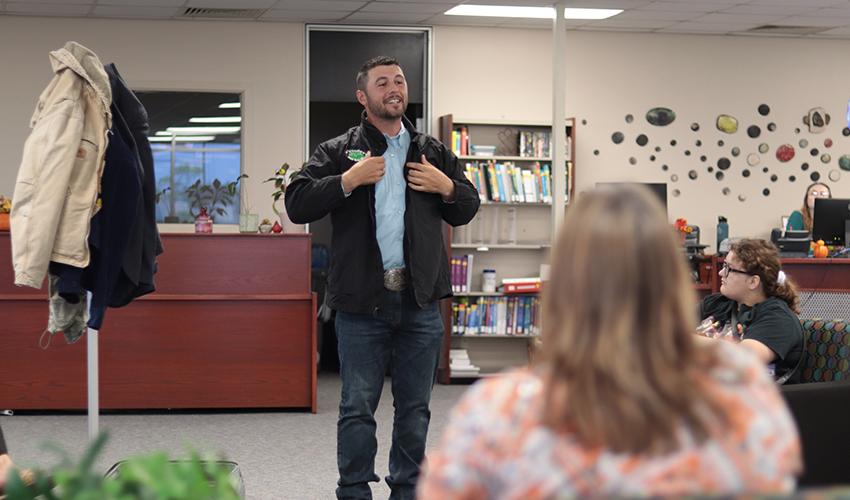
x,y
58,181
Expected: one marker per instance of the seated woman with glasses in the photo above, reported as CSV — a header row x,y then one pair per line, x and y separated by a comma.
x,y
801,220
622,400
760,304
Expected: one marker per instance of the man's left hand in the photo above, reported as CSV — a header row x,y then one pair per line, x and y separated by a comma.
x,y
429,179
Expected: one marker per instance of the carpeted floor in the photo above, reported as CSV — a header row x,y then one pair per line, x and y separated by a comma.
x,y
283,455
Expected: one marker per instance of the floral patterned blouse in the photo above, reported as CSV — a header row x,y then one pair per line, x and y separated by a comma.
x,y
495,446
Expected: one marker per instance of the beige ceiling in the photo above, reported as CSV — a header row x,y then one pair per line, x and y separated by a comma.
x,y
810,18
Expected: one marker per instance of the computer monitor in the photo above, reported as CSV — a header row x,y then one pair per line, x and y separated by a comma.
x,y
659,189
832,221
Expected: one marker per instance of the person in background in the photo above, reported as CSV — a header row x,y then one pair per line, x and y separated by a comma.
x,y
622,400
761,304
389,190
801,220
5,463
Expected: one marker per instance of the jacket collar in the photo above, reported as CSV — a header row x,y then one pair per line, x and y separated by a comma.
x,y
126,102
376,138
86,64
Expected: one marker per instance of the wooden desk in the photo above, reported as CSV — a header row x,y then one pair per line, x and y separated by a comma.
x,y
231,325
824,275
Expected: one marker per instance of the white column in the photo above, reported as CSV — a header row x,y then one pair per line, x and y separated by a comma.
x,y
559,117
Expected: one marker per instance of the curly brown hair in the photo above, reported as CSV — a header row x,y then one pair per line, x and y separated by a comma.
x,y
761,258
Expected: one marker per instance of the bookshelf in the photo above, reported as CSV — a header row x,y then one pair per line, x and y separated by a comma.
x,y
511,165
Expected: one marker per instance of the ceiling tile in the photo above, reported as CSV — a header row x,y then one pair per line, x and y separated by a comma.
x,y
388,17
131,11
144,3
658,15
304,15
813,21
641,24
799,3
314,5
406,7
46,9
691,27
777,10
715,18
830,12
231,4
58,2
687,6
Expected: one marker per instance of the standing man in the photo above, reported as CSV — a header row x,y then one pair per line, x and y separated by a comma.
x,y
388,189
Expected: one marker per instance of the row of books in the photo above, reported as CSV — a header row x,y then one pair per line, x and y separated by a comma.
x,y
462,273
535,144
460,364
508,183
517,315
460,141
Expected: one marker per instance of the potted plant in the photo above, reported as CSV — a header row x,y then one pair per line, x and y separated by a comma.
x,y
5,209
249,221
280,179
208,200
148,476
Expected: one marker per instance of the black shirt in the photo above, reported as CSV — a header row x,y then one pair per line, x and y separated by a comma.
x,y
356,278
770,322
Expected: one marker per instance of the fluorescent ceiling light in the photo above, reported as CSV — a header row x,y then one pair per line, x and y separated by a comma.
x,y
216,119
502,11
230,105
529,12
183,138
203,130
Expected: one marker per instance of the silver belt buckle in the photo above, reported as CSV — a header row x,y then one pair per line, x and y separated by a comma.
x,y
394,279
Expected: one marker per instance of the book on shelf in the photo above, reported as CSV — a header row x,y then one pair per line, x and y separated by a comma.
x,y
460,140
495,315
459,363
521,285
461,272
508,182
535,144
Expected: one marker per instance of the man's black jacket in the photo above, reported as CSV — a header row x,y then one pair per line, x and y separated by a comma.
x,y
356,280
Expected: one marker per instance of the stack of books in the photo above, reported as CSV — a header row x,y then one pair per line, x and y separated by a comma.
x,y
460,365
521,285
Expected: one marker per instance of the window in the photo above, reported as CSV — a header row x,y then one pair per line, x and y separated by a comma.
x,y
195,137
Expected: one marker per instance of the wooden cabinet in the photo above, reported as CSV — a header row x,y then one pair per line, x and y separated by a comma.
x,y
231,325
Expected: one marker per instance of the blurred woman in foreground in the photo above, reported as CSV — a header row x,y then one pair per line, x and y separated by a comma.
x,y
622,400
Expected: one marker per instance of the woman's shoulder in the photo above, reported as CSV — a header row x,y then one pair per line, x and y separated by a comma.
x,y
717,305
505,389
776,308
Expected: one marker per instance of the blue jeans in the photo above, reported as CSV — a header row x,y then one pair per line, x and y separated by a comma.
x,y
399,335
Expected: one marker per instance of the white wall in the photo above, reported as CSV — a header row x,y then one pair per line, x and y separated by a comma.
x,y
490,74
613,74
263,60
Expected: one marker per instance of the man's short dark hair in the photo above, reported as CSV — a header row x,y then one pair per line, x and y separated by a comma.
x,y
363,74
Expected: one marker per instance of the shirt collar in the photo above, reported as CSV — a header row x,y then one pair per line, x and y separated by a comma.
x,y
398,136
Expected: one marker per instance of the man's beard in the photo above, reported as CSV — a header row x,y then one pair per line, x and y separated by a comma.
x,y
379,110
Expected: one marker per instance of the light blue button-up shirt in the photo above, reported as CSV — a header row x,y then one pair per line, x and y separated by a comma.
x,y
389,201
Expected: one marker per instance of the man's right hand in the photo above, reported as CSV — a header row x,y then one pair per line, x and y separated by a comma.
x,y
367,171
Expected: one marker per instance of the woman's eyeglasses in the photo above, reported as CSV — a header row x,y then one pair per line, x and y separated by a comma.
x,y
819,194
726,270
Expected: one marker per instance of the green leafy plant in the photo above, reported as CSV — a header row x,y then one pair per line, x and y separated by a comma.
x,y
143,477
215,197
280,179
